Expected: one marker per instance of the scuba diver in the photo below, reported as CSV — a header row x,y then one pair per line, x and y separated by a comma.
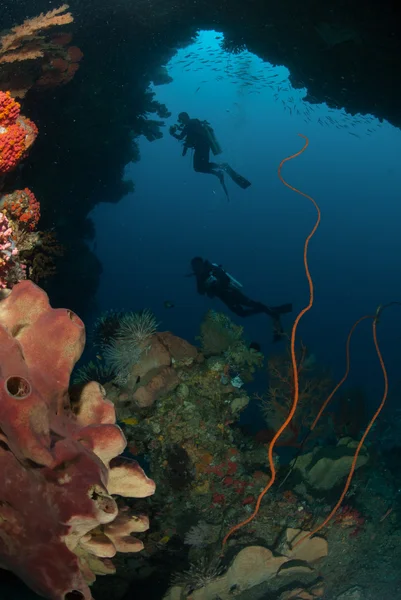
x,y
199,135
214,281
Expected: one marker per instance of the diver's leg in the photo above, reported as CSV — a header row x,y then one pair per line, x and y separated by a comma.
x,y
257,308
238,310
201,160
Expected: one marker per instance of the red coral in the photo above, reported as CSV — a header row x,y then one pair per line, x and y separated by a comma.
x,y
218,498
9,109
75,54
17,133
231,467
248,500
59,463
61,69
12,147
23,206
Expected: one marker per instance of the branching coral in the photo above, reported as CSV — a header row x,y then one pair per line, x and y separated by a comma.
x,y
34,53
314,386
26,41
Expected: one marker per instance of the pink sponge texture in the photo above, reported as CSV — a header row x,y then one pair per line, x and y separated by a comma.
x,y
59,456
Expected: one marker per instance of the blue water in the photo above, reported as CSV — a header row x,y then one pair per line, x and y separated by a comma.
x,y
351,168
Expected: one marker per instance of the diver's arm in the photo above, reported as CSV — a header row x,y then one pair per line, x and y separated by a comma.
x,y
178,136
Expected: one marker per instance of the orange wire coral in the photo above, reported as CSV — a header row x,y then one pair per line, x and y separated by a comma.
x,y
292,349
296,386
371,422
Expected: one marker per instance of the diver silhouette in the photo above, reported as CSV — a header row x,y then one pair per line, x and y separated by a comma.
x,y
199,135
214,281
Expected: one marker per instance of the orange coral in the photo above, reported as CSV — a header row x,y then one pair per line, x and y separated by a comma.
x,y
23,206
292,349
12,147
17,133
9,110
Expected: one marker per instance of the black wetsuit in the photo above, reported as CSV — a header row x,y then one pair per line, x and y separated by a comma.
x,y
196,137
214,281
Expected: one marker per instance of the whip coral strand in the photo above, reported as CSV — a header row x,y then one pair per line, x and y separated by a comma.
x,y
292,348
370,424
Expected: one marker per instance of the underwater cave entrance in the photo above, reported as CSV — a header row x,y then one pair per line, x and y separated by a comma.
x,y
256,114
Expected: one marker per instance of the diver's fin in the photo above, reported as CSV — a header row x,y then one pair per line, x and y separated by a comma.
x,y
236,177
225,190
281,310
223,185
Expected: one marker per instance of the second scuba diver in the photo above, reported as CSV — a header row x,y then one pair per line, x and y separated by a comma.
x,y
214,281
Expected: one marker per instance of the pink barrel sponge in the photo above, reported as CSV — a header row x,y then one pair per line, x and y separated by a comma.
x,y
59,456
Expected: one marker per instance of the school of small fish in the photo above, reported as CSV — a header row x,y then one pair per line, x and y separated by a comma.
x,y
251,76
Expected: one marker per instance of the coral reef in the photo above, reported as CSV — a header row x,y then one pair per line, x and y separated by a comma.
x,y
17,134
35,52
19,210
22,207
8,252
62,449
178,410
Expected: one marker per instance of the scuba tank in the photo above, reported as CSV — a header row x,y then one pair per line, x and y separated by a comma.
x,y
214,144
234,283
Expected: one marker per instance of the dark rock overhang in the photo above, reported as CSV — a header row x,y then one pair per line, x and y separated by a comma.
x,y
346,53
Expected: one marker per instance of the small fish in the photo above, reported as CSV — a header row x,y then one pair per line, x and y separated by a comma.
x,y
168,304
197,89
130,421
98,357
